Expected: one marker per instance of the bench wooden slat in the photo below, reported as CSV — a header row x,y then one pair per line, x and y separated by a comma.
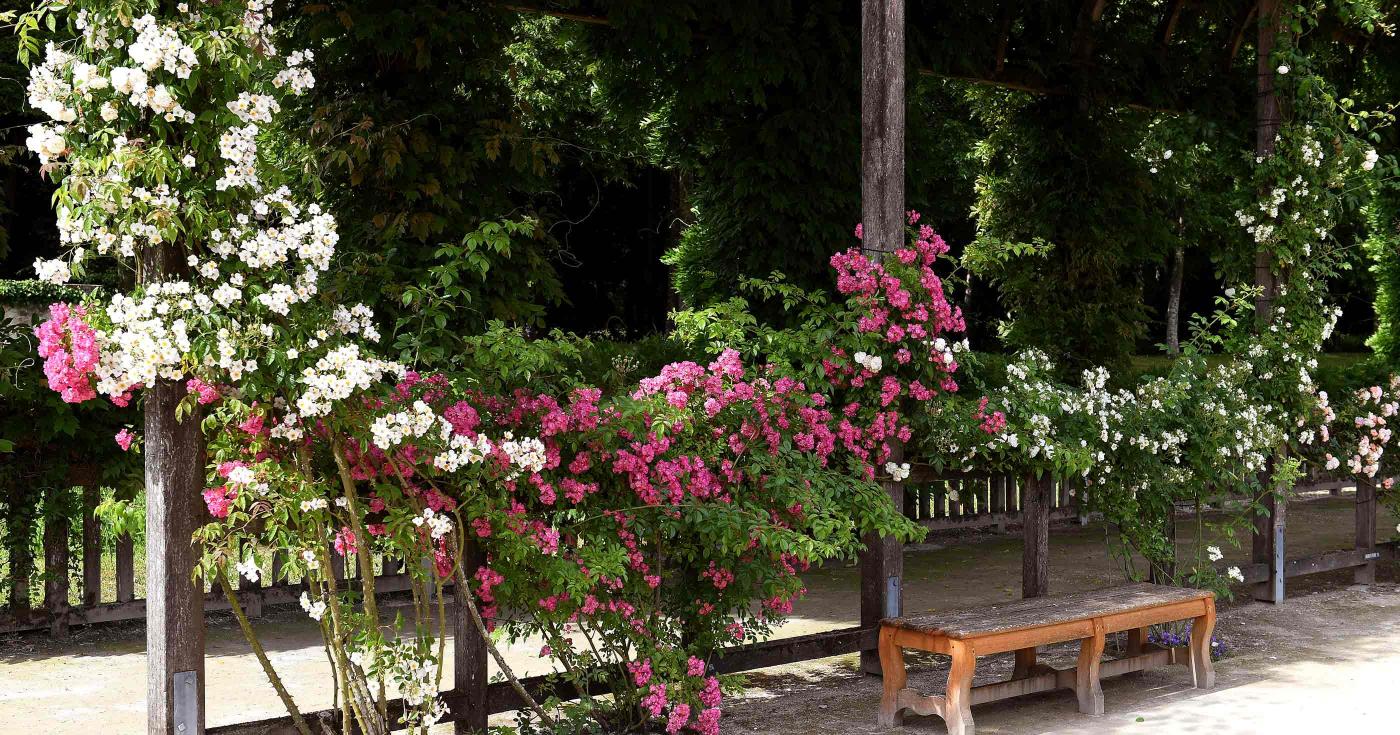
x,y
1040,611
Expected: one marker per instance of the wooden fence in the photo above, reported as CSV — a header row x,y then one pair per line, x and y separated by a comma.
x,y
934,500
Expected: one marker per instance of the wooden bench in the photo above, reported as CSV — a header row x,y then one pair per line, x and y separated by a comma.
x,y
1023,625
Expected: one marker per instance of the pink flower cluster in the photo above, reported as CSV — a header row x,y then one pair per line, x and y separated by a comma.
x,y
206,392
69,348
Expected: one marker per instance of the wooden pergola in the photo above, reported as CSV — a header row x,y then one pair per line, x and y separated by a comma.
x,y
175,632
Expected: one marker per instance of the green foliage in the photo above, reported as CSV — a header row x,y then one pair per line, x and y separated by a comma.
x,y
1067,216
760,120
427,157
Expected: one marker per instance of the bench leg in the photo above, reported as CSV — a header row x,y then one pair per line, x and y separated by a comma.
x,y
1086,675
895,676
1137,641
1202,670
958,707
1025,663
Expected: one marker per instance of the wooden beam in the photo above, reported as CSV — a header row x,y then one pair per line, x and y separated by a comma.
x,y
1082,46
502,697
1167,27
469,653
882,220
1269,536
1006,16
174,455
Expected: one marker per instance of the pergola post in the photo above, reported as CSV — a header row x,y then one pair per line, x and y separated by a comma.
x,y
1035,536
1366,529
882,222
468,653
1268,538
174,602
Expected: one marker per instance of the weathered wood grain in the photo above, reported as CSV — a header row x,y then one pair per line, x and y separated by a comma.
x,y
1035,552
882,221
1023,625
174,603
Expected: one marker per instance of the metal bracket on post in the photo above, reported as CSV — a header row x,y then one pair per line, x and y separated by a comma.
x,y
1276,576
893,606
185,688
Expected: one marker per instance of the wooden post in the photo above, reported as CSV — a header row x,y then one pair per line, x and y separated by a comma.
x,y
1035,552
174,604
56,565
882,222
126,559
1366,527
1268,537
92,546
469,654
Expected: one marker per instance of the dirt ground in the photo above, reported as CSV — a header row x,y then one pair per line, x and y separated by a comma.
x,y
1326,661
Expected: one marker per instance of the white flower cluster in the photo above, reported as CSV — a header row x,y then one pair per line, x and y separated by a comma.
x,y
254,108
148,339
1371,158
296,77
160,47
337,376
526,455
53,271
49,91
410,671
239,146
461,451
358,320
249,569
393,429
439,524
316,610
897,472
873,363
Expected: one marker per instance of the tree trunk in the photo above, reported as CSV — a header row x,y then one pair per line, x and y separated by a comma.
x,y
1174,301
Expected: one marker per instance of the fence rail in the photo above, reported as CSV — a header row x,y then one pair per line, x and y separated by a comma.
x,y
936,500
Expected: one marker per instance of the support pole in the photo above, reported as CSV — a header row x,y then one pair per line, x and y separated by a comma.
x,y
174,601
882,221
56,563
1366,528
1268,538
1035,554
126,559
469,654
1035,551
92,546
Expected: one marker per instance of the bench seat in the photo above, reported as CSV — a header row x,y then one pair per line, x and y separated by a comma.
x,y
1024,625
